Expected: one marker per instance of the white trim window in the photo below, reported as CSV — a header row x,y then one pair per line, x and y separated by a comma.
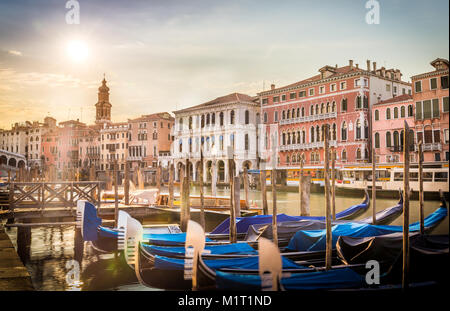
x,y
433,83
311,92
333,87
418,86
446,136
343,85
321,89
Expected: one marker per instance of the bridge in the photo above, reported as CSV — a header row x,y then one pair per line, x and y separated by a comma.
x,y
11,161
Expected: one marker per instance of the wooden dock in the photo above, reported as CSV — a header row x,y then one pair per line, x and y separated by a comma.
x,y
13,274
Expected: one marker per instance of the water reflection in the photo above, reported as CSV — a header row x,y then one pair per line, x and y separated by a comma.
x,y
48,252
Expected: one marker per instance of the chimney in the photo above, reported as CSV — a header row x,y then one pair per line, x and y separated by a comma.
x,y
336,65
272,86
357,66
350,63
368,64
374,66
383,71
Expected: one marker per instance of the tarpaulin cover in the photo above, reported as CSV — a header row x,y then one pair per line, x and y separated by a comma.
x,y
252,263
107,232
315,240
167,238
236,248
386,216
90,222
243,223
288,228
331,279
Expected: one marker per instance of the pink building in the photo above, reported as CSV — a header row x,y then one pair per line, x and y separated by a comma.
x,y
388,119
341,97
430,96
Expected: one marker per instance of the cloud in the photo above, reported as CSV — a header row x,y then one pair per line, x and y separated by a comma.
x,y
14,52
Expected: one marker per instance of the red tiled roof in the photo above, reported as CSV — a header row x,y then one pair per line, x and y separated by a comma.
x,y
154,116
396,99
338,72
230,98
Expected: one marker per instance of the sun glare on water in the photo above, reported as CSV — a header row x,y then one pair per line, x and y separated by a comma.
x,y
77,51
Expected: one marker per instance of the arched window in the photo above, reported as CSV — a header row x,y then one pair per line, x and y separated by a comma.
x,y
377,140
298,112
317,108
396,139
311,110
322,108
283,115
402,111
303,137
287,159
203,121
318,138
312,134
344,155
246,142
395,112
410,110
284,138
298,137
388,113
388,139
366,102
303,111
377,115
358,129
213,118
344,131
207,119
221,118
328,107
288,116
288,138
265,117
232,117
344,104
247,117
358,102
293,113
190,122
366,129
358,154
333,134
333,107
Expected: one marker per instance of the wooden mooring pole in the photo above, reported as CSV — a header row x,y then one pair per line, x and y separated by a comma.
x,y
262,178
171,179
116,195
202,197
273,181
405,271
185,205
333,184
374,188
245,177
421,198
126,181
300,186
328,252
233,234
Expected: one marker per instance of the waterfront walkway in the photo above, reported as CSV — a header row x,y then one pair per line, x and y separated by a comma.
x,y
13,274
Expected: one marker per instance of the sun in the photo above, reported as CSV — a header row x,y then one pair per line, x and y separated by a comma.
x,y
77,51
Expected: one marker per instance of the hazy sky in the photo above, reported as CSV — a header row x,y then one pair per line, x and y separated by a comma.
x,y
167,55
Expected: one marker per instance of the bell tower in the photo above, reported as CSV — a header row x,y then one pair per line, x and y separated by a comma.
x,y
103,106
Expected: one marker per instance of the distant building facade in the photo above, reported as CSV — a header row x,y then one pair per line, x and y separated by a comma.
x,y
213,127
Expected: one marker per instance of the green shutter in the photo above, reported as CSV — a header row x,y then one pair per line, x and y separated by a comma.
x,y
419,110
427,109
435,108
445,104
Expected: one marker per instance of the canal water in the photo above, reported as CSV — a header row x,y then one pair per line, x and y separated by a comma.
x,y
49,253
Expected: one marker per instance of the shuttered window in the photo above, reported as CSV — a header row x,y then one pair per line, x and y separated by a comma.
x,y
435,103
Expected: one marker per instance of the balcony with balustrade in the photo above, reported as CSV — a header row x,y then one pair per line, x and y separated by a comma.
x,y
307,146
315,117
